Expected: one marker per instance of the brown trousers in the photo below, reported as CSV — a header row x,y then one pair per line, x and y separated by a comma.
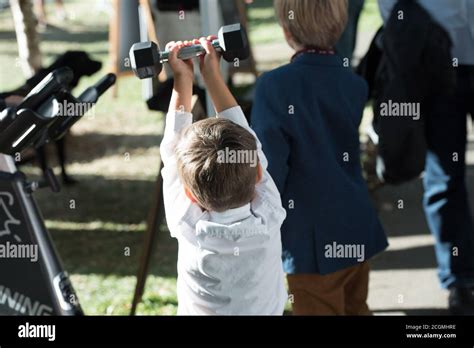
x,y
340,293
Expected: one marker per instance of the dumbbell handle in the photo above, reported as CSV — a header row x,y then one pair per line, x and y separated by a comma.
x,y
189,52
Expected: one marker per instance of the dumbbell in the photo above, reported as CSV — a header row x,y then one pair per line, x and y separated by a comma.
x,y
147,60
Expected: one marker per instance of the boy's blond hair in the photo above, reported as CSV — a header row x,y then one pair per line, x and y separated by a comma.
x,y
216,184
316,23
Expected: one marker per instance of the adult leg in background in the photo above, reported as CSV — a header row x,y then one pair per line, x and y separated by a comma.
x,y
445,199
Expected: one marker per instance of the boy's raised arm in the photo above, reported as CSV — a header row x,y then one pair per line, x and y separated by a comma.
x,y
220,94
179,113
179,117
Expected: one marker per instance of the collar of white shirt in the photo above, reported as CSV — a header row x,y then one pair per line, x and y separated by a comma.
x,y
231,215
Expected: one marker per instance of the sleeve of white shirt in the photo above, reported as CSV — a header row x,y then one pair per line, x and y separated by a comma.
x,y
176,202
266,188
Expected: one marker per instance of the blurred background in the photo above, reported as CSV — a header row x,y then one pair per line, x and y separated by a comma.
x,y
115,158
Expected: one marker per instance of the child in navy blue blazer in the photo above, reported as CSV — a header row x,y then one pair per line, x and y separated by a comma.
x,y
307,114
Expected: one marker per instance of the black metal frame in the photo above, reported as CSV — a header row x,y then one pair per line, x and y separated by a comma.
x,y
42,287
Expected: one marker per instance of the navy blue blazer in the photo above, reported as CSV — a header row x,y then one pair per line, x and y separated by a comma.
x,y
306,115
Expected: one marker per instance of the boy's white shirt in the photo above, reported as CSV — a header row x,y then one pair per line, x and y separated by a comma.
x,y
229,262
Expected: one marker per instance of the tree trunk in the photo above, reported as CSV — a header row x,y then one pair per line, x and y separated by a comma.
x,y
27,36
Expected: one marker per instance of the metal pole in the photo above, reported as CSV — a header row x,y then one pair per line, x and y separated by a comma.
x,y
154,218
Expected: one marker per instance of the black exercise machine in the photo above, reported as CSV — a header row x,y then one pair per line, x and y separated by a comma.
x,y
32,278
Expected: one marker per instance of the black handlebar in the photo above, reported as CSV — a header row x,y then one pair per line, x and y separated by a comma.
x,y
105,83
29,126
52,83
91,94
87,98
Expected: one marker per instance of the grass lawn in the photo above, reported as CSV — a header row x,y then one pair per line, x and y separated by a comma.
x,y
114,155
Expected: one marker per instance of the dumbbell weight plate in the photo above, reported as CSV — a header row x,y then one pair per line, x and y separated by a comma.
x,y
234,42
145,59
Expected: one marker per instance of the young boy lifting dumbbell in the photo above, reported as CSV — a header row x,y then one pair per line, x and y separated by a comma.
x,y
221,204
